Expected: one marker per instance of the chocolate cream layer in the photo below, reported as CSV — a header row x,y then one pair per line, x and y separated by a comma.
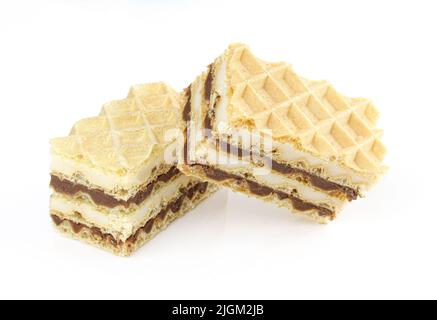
x,y
171,208
100,198
305,176
262,190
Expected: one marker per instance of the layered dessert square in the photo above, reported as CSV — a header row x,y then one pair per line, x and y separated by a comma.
x,y
114,178
261,129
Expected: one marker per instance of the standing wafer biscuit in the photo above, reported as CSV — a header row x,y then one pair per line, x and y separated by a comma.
x,y
261,129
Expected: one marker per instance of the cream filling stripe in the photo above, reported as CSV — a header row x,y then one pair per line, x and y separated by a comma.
x,y
122,187
114,221
232,164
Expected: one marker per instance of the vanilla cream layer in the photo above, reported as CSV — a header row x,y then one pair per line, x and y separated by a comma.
x,y
210,156
285,152
115,221
120,186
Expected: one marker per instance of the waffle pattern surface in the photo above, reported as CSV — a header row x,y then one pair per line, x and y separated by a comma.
x,y
126,132
275,100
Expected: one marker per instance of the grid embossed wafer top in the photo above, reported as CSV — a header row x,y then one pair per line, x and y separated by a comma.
x,y
272,98
126,132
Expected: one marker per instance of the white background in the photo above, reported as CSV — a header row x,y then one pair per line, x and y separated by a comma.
x,y
61,60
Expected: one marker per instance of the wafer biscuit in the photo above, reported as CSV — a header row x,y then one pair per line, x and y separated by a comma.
x,y
278,136
114,184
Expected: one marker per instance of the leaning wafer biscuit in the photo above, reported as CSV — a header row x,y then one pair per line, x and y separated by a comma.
x,y
113,186
261,129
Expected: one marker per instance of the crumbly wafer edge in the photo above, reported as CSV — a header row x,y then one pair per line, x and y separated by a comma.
x,y
313,214
127,248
